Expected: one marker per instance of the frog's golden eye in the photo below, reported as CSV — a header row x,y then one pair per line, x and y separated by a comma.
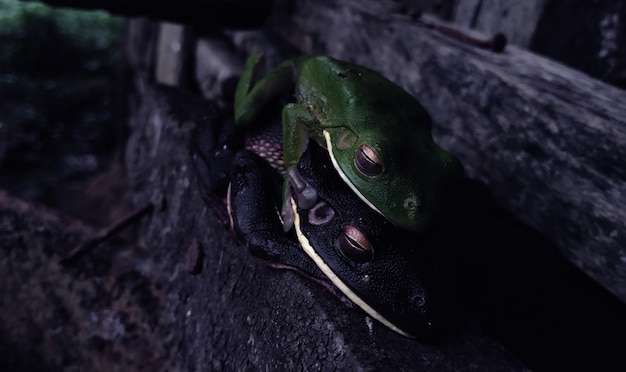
x,y
354,245
367,162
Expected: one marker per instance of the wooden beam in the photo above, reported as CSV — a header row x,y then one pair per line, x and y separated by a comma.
x,y
204,14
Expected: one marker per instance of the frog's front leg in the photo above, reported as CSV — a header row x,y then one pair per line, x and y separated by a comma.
x,y
250,101
254,198
296,121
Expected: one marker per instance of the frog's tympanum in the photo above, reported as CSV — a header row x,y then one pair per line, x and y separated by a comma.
x,y
376,134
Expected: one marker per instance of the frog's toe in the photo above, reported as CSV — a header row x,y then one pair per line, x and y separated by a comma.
x,y
307,197
287,214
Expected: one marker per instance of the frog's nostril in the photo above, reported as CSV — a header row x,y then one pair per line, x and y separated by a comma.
x,y
411,203
417,300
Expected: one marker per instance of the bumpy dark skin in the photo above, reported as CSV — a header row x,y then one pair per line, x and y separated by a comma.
x,y
220,162
396,281
254,199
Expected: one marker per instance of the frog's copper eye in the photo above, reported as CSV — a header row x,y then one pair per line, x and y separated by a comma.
x,y
354,245
367,162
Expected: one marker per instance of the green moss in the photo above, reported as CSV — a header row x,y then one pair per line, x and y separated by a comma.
x,y
41,41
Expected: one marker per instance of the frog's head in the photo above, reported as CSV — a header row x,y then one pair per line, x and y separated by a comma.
x,y
402,180
379,139
382,269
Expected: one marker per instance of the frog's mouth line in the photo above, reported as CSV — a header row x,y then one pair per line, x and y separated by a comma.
x,y
329,146
306,246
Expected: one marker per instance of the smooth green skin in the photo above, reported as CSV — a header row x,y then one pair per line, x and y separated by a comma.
x,y
355,105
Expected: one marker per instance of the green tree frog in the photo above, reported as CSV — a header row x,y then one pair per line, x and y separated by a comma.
x,y
377,135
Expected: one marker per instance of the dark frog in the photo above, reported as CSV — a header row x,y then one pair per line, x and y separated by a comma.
x,y
339,242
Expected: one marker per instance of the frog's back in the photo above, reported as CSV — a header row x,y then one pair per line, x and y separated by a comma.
x,y
346,94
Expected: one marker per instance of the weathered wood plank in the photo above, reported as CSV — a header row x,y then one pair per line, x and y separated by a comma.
x,y
516,19
171,54
549,141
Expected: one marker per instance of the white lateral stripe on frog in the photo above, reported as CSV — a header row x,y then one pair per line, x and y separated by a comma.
x,y
329,145
306,246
